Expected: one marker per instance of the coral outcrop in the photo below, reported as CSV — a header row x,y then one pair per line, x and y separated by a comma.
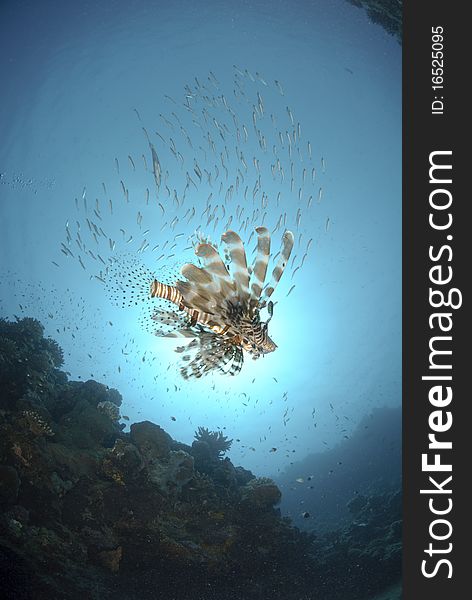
x,y
369,548
89,511
386,13
261,492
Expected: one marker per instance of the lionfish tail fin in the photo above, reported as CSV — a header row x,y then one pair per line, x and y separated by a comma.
x,y
157,289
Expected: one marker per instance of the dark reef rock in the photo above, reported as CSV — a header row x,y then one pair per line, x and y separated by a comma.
x,y
171,474
373,538
152,440
28,361
261,493
91,512
9,484
386,13
243,476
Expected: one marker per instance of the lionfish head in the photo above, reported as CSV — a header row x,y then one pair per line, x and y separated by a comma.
x,y
256,340
258,343
268,345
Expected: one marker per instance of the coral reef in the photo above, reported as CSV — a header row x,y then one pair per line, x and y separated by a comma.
x,y
28,362
110,409
261,492
369,458
369,548
35,423
386,13
90,511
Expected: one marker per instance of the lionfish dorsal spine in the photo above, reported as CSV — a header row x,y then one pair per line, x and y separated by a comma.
x,y
261,262
239,264
286,250
222,284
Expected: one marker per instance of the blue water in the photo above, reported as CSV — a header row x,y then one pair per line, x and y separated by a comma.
x,y
73,74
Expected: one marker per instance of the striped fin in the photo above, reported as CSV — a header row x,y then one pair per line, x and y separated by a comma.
x,y
260,264
167,323
214,266
167,292
199,289
223,356
196,306
195,297
287,245
197,275
233,357
238,360
239,264
179,333
212,353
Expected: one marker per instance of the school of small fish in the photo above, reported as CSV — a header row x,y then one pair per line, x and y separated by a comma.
x,y
217,161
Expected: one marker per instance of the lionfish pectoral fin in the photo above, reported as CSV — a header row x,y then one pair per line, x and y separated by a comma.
x,y
166,323
212,353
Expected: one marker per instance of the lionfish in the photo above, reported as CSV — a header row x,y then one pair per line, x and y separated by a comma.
x,y
219,307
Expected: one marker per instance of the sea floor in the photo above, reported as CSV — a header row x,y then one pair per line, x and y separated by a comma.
x,y
393,593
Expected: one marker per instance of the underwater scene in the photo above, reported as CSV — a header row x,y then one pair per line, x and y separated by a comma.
x,y
200,300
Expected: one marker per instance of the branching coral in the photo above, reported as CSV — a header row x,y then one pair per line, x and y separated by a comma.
x,y
218,443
